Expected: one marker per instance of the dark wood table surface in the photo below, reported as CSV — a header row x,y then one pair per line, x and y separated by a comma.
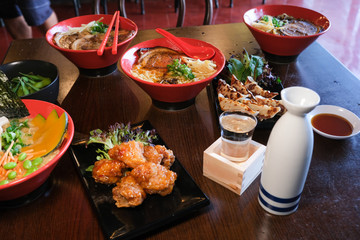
x,y
330,203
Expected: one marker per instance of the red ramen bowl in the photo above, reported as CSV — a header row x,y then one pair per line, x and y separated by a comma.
x,y
88,59
176,95
287,48
31,182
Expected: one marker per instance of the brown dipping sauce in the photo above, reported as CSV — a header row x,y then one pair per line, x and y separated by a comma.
x,y
332,124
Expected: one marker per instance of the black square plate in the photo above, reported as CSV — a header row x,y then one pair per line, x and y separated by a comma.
x,y
155,211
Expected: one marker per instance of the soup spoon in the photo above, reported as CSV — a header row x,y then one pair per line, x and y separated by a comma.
x,y
198,52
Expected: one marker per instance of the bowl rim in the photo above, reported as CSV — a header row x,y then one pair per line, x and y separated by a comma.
x,y
53,81
64,146
137,46
339,111
284,6
49,36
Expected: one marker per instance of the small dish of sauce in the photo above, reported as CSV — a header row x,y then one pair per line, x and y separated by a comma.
x,y
332,124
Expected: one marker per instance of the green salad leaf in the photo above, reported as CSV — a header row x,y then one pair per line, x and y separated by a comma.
x,y
115,135
249,65
244,65
118,133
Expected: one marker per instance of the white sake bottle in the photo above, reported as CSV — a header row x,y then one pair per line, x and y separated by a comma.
x,y
288,153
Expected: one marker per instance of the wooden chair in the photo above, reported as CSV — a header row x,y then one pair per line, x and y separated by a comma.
x,y
142,4
209,11
231,3
98,4
181,15
76,7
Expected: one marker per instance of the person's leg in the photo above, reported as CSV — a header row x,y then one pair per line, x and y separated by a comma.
x,y
51,21
18,28
13,20
38,13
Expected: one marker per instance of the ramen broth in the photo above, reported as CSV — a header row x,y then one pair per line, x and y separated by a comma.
x,y
286,25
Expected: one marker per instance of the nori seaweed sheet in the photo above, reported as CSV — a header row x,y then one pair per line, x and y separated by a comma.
x,y
11,105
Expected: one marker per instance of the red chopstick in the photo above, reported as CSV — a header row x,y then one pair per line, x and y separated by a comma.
x,y
100,51
116,35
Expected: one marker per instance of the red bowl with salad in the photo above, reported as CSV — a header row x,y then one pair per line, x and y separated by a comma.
x,y
82,51
33,168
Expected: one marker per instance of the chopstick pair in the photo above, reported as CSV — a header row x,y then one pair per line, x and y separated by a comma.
x,y
116,19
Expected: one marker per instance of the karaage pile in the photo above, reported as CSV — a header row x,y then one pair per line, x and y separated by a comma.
x,y
136,170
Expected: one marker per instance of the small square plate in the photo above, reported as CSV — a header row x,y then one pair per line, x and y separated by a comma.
x,y
154,212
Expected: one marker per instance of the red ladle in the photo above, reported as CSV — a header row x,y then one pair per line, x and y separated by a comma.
x,y
198,52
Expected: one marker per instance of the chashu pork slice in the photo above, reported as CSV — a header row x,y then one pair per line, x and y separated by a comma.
x,y
64,40
300,28
87,42
157,57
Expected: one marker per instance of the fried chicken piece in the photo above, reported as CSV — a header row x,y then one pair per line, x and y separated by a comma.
x,y
128,193
154,178
108,171
168,156
130,153
152,155
159,155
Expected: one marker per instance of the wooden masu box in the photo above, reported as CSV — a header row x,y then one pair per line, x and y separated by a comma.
x,y
236,176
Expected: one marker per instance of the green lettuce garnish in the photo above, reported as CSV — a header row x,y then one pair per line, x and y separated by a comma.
x,y
118,133
249,65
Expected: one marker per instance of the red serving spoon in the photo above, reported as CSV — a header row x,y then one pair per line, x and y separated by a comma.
x,y
198,52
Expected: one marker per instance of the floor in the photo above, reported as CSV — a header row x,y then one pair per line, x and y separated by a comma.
x,y
342,40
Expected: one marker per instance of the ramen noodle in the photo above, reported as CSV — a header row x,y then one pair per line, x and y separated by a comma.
x,y
286,25
157,71
88,36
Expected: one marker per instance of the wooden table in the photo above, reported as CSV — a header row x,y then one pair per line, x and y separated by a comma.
x,y
330,203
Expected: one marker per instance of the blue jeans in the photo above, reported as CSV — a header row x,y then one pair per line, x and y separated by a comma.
x,y
35,12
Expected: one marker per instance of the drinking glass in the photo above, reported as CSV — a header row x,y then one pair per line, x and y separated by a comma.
x,y
237,129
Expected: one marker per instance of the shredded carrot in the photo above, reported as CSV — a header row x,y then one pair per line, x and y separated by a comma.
x,y
2,174
4,157
32,154
11,157
28,151
19,169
